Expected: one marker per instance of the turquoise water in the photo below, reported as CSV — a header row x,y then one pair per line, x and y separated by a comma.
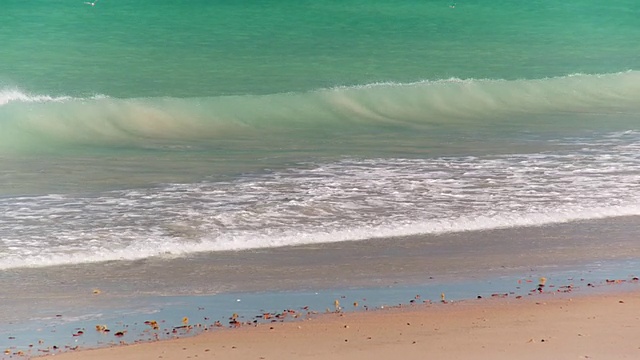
x,y
150,48
142,128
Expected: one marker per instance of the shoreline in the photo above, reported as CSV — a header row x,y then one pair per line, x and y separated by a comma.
x,y
550,325
57,309
191,317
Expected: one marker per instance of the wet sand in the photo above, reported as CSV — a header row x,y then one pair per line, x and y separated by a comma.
x,y
43,308
560,326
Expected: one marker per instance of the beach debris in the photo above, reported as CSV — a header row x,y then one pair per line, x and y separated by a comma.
x,y
541,283
102,328
234,322
616,281
153,324
565,288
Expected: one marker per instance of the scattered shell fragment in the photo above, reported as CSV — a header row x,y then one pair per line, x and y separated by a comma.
x,y
102,328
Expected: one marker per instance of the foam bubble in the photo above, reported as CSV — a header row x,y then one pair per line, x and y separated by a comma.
x,y
347,200
14,95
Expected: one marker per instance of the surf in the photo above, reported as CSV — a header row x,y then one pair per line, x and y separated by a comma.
x,y
352,199
30,123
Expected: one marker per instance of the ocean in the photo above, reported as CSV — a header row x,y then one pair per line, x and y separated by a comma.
x,y
146,135
151,151
131,130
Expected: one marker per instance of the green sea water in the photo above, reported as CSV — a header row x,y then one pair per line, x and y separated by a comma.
x,y
150,48
133,129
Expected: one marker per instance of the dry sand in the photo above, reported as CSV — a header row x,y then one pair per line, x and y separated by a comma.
x,y
534,327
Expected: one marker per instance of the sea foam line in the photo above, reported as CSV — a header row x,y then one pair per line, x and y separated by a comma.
x,y
15,95
457,80
9,95
165,247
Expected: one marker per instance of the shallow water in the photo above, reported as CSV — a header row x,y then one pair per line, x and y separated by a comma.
x,y
461,256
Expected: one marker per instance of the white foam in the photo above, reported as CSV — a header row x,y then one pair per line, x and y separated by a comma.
x,y
9,95
15,95
157,246
348,200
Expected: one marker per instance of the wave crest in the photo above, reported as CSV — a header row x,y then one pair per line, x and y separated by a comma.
x,y
14,95
100,120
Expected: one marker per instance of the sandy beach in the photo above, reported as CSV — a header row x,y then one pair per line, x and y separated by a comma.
x,y
548,326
